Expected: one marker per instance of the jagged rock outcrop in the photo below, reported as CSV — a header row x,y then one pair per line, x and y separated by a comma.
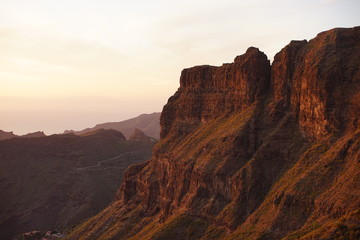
x,y
318,81
208,92
252,151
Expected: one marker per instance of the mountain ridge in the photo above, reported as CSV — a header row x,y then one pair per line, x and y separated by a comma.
x,y
250,150
57,181
8,135
147,123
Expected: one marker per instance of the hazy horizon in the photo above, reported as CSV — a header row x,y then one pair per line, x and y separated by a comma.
x,y
74,64
69,119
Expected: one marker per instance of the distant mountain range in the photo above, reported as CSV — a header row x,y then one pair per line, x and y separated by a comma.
x,y
7,135
54,182
147,123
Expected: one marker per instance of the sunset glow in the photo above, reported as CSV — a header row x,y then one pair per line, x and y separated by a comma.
x,y
73,64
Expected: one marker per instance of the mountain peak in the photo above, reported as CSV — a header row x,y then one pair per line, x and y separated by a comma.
x,y
34,134
208,92
6,135
139,135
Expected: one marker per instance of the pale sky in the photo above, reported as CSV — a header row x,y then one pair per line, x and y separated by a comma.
x,y
71,64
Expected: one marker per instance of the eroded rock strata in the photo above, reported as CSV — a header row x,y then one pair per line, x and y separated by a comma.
x,y
252,151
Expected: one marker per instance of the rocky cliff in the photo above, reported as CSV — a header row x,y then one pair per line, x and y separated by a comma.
x,y
252,151
208,92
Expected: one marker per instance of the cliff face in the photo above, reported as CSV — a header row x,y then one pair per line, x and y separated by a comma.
x,y
208,92
251,151
319,82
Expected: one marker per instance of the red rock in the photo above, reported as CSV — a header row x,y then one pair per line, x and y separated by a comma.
x,y
208,92
319,81
252,152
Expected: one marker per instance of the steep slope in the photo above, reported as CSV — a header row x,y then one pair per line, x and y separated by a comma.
x,y
251,151
147,123
55,182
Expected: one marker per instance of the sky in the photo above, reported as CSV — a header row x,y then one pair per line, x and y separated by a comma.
x,y
71,64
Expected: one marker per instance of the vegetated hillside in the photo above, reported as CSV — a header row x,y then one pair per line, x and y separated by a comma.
x,y
147,123
55,182
251,151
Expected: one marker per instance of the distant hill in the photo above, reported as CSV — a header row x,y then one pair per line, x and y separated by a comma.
x,y
138,135
54,182
6,135
147,123
34,134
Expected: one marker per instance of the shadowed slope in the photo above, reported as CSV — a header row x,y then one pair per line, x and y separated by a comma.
x,y
55,182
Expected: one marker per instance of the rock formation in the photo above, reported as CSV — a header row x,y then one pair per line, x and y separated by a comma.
x,y
251,151
208,92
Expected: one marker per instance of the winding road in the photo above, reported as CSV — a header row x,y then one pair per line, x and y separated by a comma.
x,y
100,165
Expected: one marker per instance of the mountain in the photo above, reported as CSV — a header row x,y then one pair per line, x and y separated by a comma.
x,y
34,134
6,135
250,150
56,182
138,135
147,123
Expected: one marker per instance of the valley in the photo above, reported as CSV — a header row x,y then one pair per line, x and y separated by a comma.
x,y
55,182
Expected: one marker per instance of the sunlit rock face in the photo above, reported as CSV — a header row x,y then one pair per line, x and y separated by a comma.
x,y
208,92
251,151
